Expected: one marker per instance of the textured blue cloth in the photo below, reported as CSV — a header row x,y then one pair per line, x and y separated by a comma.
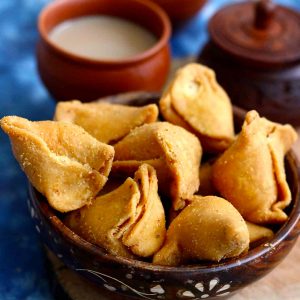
x,y
22,271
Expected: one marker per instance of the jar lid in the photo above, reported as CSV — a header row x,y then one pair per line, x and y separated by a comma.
x,y
258,32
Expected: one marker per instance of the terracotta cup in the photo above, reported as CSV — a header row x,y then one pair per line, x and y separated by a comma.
x,y
68,76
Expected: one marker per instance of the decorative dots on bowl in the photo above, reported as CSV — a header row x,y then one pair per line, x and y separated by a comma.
x,y
157,289
110,287
37,228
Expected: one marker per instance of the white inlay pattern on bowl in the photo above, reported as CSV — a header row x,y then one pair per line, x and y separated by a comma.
x,y
213,288
120,285
224,288
157,289
32,212
199,286
213,283
194,291
37,228
188,294
109,287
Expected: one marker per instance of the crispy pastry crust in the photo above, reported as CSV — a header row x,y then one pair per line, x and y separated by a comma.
x,y
107,122
171,150
62,161
210,228
196,102
128,221
251,174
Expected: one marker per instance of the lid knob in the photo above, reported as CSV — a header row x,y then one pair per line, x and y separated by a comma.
x,y
264,13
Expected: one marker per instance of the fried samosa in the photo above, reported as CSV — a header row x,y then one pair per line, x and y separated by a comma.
x,y
107,122
171,150
258,234
127,221
61,160
251,174
210,228
206,187
196,102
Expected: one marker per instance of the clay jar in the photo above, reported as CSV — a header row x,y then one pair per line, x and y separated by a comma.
x,y
68,76
255,51
179,10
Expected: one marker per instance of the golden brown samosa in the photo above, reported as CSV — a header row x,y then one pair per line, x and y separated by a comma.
x,y
258,234
210,228
107,122
195,101
171,150
206,187
61,160
128,221
251,174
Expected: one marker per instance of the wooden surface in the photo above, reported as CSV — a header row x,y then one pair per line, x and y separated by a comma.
x,y
282,283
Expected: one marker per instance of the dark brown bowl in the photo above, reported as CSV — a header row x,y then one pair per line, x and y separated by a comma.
x,y
144,280
68,76
179,10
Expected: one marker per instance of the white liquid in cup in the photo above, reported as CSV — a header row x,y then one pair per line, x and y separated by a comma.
x,y
102,37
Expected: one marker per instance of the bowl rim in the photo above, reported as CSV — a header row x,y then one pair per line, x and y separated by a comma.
x,y
289,226
155,8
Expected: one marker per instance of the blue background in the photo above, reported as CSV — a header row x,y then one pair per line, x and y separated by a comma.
x,y
22,270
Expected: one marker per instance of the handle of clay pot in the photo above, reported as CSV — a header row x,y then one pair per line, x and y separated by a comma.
x,y
264,13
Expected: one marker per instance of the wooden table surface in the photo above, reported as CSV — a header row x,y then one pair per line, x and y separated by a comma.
x,y
282,283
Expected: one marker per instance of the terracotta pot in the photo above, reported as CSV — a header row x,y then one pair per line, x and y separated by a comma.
x,y
254,49
68,76
179,10
143,280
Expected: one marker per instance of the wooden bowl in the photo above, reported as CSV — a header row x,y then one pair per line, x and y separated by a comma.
x,y
68,76
143,280
180,11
